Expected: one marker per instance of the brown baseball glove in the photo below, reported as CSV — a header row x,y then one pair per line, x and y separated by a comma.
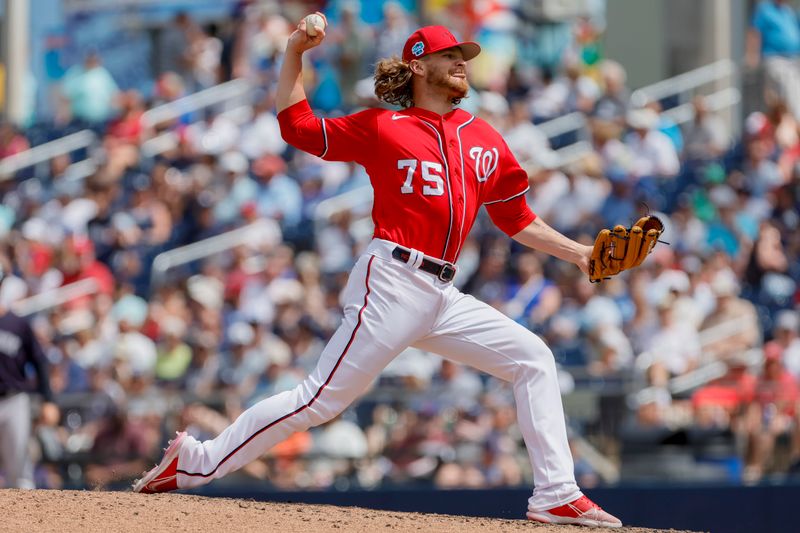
x,y
623,248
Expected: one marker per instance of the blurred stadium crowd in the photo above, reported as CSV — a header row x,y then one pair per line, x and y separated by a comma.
x,y
145,355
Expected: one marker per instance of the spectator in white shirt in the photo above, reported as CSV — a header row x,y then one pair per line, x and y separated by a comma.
x,y
582,91
548,99
586,192
527,142
786,335
675,347
262,136
653,153
614,154
705,136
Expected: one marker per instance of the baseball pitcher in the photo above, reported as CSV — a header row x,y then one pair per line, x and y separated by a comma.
x,y
432,167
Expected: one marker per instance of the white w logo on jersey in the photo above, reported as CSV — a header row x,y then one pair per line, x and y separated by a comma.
x,y
485,161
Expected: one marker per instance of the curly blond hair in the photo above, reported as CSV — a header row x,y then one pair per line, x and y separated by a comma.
x,y
393,85
393,82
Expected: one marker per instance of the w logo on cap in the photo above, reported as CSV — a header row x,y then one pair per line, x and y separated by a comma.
x,y
418,49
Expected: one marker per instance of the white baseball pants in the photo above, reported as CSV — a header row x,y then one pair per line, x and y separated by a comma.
x,y
388,306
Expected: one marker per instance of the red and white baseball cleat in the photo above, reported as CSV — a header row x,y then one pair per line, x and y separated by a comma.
x,y
163,477
582,512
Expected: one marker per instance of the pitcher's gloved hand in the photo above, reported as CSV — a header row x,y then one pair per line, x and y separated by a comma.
x,y
622,248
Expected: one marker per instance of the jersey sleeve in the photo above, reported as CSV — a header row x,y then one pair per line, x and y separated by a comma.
x,y
505,201
347,138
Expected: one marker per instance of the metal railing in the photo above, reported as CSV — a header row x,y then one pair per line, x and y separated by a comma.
x,y
716,102
230,94
159,144
722,331
358,201
81,170
698,377
680,84
224,93
259,232
558,126
169,140
710,370
234,95
713,72
54,298
357,198
44,152
573,152
608,471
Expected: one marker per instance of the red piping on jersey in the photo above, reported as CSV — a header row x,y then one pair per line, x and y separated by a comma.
x,y
313,399
463,187
509,198
324,138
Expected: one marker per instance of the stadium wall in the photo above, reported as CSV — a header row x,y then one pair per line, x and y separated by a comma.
x,y
730,509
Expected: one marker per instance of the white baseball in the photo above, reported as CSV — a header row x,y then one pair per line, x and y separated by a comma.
x,y
314,21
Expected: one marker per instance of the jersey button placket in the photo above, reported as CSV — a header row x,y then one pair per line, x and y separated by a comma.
x,y
447,153
453,156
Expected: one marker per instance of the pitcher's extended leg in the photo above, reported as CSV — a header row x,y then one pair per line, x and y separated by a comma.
x,y
376,327
471,332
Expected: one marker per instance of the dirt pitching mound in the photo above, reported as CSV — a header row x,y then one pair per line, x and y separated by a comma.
x,y
90,512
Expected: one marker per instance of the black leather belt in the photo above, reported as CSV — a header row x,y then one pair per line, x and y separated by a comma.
x,y
444,271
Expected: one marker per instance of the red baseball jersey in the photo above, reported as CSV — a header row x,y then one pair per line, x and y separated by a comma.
x,y
431,173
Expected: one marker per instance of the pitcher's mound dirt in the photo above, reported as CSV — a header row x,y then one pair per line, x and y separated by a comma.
x,y
90,512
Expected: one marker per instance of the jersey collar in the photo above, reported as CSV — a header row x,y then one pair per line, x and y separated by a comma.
x,y
457,115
